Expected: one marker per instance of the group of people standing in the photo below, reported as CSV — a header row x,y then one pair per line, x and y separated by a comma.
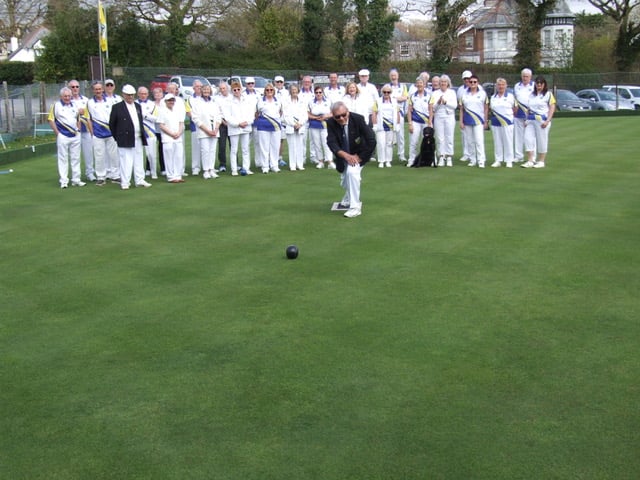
x,y
113,132
519,121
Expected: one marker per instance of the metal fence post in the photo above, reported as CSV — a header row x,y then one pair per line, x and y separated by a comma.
x,y
5,91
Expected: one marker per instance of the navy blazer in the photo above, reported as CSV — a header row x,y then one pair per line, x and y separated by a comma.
x,y
362,139
122,127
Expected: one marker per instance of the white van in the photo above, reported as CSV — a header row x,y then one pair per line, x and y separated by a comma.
x,y
628,92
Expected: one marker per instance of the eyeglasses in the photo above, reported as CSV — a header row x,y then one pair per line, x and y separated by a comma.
x,y
340,115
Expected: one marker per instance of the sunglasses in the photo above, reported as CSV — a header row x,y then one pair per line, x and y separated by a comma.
x,y
473,81
74,86
236,89
279,81
268,89
319,91
386,91
250,83
341,115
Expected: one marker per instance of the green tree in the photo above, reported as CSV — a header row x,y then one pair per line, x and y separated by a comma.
x,y
73,39
313,26
372,41
531,16
181,18
447,23
627,44
338,16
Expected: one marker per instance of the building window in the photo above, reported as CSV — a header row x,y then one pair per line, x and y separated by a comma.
x,y
488,40
502,39
404,50
546,41
468,41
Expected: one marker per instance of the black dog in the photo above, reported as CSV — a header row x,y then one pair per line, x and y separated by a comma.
x,y
427,155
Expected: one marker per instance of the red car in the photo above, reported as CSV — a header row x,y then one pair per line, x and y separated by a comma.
x,y
160,81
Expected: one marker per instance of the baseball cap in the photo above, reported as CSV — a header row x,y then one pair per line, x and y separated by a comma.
x,y
278,79
109,81
169,96
249,80
363,72
128,90
466,74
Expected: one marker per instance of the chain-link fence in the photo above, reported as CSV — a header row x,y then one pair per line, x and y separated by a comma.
x,y
23,108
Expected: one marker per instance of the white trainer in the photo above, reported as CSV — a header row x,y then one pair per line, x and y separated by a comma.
x,y
538,165
527,164
496,165
353,212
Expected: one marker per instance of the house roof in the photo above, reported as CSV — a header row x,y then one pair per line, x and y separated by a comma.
x,y
503,14
30,40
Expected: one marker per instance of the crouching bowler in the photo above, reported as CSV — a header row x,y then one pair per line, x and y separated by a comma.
x,y
352,142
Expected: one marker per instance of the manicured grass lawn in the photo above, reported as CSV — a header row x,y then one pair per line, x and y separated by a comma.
x,y
471,324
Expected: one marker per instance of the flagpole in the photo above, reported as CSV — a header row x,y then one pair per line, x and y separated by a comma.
x,y
103,46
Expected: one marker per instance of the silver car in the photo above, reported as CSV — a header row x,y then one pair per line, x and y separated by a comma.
x,y
605,100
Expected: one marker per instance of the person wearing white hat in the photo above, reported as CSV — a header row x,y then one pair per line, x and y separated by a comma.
x,y
111,160
282,94
171,123
252,96
127,128
368,91
466,154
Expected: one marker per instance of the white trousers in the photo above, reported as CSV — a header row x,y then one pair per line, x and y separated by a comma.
x,y
384,145
152,155
68,154
173,160
536,137
467,148
208,153
475,143
131,160
295,142
415,140
518,140
319,145
112,159
243,141
503,143
101,148
400,140
86,142
444,126
196,153
269,146
350,180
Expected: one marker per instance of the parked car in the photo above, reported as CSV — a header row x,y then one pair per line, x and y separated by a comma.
x,y
628,92
567,101
185,83
605,100
260,82
160,81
